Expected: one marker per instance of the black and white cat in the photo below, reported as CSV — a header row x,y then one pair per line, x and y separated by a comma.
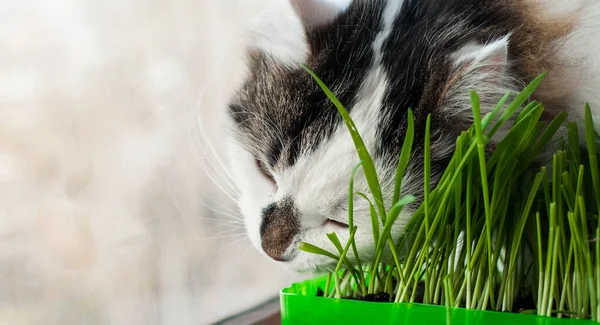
x,y
292,155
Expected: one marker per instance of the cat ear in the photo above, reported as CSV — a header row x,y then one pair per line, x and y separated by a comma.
x,y
480,67
315,13
274,29
279,29
488,59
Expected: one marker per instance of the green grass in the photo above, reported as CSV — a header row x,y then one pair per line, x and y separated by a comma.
x,y
541,224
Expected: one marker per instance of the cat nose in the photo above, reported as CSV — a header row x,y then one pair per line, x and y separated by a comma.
x,y
276,258
279,225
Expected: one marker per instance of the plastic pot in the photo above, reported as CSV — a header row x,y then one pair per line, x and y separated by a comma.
x,y
300,305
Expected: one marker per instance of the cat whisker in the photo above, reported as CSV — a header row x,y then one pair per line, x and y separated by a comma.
x,y
247,249
222,221
211,164
229,230
229,245
218,175
216,179
222,207
230,220
232,230
232,208
210,152
232,216
225,236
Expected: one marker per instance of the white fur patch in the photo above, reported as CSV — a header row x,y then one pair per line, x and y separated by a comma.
x,y
256,192
583,47
493,55
315,13
272,27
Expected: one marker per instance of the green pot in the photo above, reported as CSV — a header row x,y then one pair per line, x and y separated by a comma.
x,y
300,305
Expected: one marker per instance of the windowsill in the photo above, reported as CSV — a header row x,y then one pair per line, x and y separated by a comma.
x,y
267,313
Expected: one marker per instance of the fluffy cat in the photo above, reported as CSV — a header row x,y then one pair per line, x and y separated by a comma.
x,y
292,155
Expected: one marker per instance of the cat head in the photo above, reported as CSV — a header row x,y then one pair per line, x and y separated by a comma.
x,y
292,155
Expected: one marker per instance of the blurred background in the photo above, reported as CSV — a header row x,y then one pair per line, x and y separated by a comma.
x,y
107,215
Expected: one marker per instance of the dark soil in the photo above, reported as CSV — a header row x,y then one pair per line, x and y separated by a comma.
x,y
381,296
523,303
377,297
420,292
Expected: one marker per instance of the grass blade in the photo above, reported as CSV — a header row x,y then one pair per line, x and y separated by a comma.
x,y
404,155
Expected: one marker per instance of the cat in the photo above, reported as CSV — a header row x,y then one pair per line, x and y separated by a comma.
x,y
290,153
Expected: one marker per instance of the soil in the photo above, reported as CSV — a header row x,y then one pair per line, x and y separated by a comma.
x,y
522,304
377,297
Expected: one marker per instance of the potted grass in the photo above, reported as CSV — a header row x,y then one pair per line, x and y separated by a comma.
x,y
497,241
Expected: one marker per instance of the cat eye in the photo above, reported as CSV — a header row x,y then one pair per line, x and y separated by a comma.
x,y
262,168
